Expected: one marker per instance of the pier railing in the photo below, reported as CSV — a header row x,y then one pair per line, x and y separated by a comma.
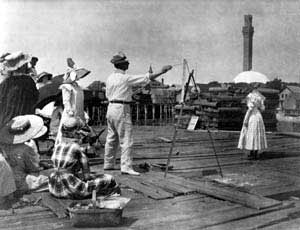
x,y
142,114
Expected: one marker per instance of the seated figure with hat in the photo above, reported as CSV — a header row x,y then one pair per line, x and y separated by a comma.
x,y
43,79
22,158
71,177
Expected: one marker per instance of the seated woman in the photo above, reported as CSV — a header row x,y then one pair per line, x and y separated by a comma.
x,y
68,159
22,159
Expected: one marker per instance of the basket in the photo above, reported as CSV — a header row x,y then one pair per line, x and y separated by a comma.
x,y
95,217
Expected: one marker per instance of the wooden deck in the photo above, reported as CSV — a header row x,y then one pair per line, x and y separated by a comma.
x,y
180,201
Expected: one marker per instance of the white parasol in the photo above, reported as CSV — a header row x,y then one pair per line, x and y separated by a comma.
x,y
250,76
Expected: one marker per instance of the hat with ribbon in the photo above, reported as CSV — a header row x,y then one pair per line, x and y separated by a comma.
x,y
75,75
21,129
119,58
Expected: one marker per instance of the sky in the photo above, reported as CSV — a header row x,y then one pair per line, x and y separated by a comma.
x,y
208,33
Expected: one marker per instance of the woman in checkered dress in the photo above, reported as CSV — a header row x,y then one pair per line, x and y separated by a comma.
x,y
72,178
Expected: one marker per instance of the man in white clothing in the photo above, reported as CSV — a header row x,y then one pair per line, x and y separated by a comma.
x,y
119,93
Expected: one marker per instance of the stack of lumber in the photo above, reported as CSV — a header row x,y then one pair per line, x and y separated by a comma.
x,y
221,108
183,114
224,108
271,104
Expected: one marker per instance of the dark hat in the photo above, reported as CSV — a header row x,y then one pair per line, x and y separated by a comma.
x,y
34,59
42,75
119,58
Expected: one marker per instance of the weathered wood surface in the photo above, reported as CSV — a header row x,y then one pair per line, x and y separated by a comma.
x,y
277,173
54,205
257,222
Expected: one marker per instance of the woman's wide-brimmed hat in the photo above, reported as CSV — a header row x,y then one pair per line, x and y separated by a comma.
x,y
80,73
21,129
119,58
13,61
43,75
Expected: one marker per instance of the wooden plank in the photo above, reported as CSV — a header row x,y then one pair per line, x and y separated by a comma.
x,y
152,178
52,203
167,140
200,220
286,225
258,221
228,193
146,189
19,219
45,224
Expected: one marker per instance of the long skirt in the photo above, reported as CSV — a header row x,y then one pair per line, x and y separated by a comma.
x,y
67,185
253,137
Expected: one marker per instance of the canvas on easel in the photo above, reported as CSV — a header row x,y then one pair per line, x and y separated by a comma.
x,y
193,122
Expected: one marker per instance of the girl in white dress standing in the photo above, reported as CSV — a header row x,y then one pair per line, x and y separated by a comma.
x,y
253,136
73,98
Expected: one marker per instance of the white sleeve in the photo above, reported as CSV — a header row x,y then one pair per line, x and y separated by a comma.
x,y
142,79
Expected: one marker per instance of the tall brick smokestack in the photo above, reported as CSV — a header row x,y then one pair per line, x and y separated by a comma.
x,y
248,31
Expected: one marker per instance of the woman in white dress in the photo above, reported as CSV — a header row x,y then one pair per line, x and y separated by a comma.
x,y
73,98
253,137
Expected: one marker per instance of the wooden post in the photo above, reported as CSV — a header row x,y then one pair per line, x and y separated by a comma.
x,y
173,113
145,113
168,113
160,113
137,113
93,115
165,114
153,114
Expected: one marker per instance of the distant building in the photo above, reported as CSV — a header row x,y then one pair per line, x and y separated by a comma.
x,y
289,100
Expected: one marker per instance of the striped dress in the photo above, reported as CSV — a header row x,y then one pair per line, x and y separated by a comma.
x,y
253,136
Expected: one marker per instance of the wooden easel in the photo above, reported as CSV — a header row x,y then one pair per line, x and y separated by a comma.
x,y
185,87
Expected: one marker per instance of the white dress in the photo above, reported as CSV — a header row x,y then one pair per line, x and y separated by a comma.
x,y
73,99
253,135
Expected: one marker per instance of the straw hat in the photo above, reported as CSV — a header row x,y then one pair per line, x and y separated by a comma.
x,y
22,128
119,58
13,61
42,75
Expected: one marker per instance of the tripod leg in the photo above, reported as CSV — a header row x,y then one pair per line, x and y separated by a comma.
x,y
171,150
215,152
